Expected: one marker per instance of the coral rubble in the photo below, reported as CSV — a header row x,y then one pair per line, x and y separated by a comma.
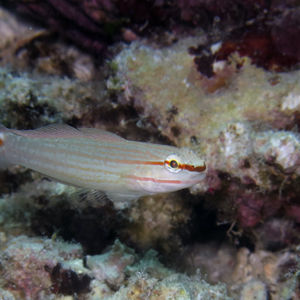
x,y
38,268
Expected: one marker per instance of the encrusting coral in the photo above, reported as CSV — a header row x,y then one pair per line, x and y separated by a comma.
x,y
31,101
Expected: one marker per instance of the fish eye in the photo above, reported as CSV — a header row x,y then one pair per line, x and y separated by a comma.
x,y
172,163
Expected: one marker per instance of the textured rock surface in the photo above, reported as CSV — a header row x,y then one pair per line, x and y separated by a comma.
x,y
241,225
34,268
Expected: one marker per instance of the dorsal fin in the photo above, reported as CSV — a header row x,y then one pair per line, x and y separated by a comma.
x,y
50,131
100,134
66,131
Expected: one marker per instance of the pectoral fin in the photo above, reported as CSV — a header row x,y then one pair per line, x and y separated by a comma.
x,y
122,201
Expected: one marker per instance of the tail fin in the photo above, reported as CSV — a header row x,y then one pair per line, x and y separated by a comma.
x,y
4,163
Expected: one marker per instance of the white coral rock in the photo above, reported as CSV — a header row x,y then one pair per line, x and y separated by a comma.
x,y
282,148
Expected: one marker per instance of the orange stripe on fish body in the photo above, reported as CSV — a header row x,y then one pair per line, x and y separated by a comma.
x,y
154,179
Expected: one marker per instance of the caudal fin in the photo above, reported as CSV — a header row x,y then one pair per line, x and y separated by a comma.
x,y
4,163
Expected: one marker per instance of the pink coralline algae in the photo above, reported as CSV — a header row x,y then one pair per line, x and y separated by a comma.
x,y
293,211
32,267
250,210
254,208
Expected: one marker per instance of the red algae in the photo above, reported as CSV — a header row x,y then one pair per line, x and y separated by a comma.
x,y
260,46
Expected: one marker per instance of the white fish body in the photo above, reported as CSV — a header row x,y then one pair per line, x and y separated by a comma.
x,y
100,160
